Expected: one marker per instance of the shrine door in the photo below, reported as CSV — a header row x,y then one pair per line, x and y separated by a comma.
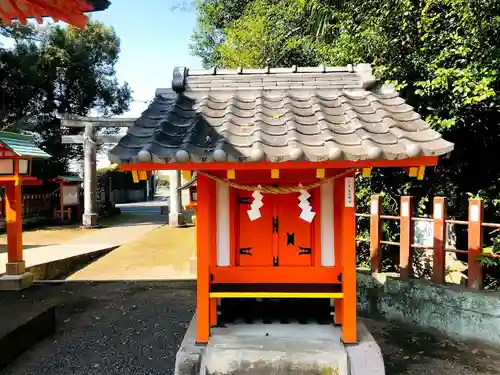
x,y
279,237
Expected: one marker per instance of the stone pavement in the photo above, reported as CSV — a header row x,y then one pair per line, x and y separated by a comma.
x,y
130,226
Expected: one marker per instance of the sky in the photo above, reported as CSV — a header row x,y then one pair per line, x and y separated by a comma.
x,y
154,38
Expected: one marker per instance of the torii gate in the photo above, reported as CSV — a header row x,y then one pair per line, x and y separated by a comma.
x,y
90,141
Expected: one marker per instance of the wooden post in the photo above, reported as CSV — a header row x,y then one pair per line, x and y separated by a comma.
x,y
338,210
61,199
348,236
375,233
14,224
439,247
475,274
406,238
204,241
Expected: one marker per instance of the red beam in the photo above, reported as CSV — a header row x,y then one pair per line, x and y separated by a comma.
x,y
427,161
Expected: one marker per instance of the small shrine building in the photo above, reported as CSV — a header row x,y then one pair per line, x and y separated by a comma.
x,y
275,151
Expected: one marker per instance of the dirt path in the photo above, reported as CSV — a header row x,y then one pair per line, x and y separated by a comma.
x,y
161,254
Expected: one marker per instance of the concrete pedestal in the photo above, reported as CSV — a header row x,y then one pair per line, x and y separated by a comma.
x,y
261,349
16,282
90,220
175,219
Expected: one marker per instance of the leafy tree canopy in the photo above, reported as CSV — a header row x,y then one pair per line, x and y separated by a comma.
x,y
443,56
56,70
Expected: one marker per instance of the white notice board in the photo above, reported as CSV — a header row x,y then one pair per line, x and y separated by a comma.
x,y
70,194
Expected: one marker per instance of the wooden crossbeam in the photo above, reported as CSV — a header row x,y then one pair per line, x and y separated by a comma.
x,y
74,121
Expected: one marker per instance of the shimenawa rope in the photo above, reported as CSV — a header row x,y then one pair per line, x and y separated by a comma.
x,y
272,189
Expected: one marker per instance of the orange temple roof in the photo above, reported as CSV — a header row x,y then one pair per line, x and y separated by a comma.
x,y
69,11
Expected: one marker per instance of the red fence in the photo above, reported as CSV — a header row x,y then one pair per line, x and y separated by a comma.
x,y
474,224
38,205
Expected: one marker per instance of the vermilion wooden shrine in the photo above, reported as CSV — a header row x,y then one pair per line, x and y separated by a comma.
x,y
16,155
18,151
276,152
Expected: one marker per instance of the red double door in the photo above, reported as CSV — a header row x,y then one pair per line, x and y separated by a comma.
x,y
279,237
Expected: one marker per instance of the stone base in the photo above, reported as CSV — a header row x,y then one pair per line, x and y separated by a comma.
x,y
90,221
278,349
16,282
175,220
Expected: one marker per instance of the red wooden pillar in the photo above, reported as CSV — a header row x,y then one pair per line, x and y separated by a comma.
x,y
406,237
348,249
439,217
475,274
14,226
375,233
204,242
338,203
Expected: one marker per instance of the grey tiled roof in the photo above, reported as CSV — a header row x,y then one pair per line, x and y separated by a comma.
x,y
277,115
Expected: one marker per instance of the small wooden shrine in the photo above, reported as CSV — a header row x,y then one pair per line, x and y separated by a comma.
x,y
276,151
69,11
16,155
69,197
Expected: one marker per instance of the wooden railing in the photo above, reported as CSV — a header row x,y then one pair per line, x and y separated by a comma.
x,y
474,224
37,205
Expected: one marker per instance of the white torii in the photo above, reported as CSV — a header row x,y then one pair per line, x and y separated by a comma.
x,y
89,141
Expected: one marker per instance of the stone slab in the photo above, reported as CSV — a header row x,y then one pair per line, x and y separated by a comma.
x,y
16,282
20,332
188,358
452,310
279,349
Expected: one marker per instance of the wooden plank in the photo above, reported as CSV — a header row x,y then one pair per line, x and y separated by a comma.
x,y
73,121
439,263
274,295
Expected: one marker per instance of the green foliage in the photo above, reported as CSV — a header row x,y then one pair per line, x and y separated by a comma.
x,y
442,55
56,70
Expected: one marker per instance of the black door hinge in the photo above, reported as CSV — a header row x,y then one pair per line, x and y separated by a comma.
x,y
246,251
244,200
211,277
275,225
276,261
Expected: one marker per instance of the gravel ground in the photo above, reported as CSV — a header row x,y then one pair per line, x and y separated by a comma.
x,y
136,327
110,328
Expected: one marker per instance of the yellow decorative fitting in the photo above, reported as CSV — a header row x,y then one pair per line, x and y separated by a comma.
x,y
320,173
231,174
421,173
187,175
366,172
413,172
275,173
143,175
135,176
